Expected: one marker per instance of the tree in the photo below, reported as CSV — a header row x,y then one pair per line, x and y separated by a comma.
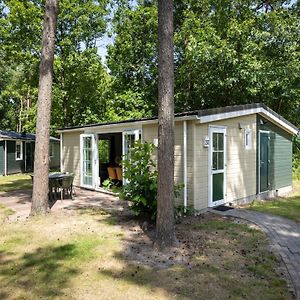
x,y
79,74
41,159
226,53
165,232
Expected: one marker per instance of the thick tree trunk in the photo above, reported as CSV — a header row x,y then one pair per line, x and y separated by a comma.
x,y
165,234
41,159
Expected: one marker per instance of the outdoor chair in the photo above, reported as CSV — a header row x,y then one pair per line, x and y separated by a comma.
x,y
112,173
119,173
66,186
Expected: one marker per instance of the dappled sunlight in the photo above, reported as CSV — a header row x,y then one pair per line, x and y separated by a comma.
x,y
44,272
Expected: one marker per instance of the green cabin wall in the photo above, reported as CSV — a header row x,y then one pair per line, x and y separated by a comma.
x,y
280,154
13,165
2,157
18,166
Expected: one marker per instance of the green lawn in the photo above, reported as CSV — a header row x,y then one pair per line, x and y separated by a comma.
x,y
288,207
15,182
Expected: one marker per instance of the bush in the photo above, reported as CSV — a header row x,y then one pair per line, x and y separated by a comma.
x,y
141,175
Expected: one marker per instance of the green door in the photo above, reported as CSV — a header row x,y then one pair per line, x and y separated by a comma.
x,y
264,162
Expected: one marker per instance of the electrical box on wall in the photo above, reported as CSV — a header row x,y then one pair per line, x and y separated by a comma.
x,y
206,142
155,142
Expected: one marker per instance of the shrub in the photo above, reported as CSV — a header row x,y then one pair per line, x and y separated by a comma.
x,y
140,172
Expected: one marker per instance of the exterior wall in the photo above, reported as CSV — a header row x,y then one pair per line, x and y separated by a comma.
x,y
2,157
240,170
55,160
150,132
13,165
280,154
71,154
241,175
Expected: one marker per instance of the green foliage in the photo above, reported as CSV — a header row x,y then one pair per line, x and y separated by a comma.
x,y
226,53
141,176
140,173
181,211
107,184
79,75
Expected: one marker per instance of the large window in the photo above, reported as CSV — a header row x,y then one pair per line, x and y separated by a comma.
x,y
19,150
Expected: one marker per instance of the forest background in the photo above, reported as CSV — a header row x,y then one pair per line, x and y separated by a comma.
x,y
227,52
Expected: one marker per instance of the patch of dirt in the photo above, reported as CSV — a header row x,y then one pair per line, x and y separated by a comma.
x,y
139,243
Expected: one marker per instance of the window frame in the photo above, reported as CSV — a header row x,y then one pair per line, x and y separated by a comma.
x,y
19,143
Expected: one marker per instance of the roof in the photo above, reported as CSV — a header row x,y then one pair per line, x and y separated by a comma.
x,y
12,135
209,115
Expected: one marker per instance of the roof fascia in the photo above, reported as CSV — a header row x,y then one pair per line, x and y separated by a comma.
x,y
124,125
240,113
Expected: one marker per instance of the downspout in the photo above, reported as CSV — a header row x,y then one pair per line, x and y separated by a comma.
x,y
185,164
5,158
61,152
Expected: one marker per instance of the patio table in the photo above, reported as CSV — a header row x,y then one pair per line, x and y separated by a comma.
x,y
60,182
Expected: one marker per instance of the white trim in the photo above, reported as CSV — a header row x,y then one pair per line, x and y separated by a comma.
x,y
18,142
123,125
211,130
82,136
5,158
185,164
204,119
240,113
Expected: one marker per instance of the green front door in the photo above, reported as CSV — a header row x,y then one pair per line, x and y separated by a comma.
x,y
264,161
217,165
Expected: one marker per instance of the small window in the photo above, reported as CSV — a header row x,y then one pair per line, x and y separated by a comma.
x,y
248,139
19,150
51,150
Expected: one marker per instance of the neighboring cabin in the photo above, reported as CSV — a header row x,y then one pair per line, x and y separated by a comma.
x,y
17,152
223,155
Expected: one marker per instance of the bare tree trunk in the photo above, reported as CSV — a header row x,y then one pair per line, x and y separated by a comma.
x,y
165,233
41,159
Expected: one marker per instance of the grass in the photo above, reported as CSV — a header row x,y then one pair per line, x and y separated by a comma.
x,y
82,255
15,182
5,212
288,207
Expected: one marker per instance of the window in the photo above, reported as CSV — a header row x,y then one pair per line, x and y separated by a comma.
x,y
248,139
19,150
51,150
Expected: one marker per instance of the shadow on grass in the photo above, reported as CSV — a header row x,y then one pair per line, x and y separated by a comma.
x,y
212,254
43,273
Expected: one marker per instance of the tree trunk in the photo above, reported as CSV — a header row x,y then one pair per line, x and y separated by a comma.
x,y
165,233
41,158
